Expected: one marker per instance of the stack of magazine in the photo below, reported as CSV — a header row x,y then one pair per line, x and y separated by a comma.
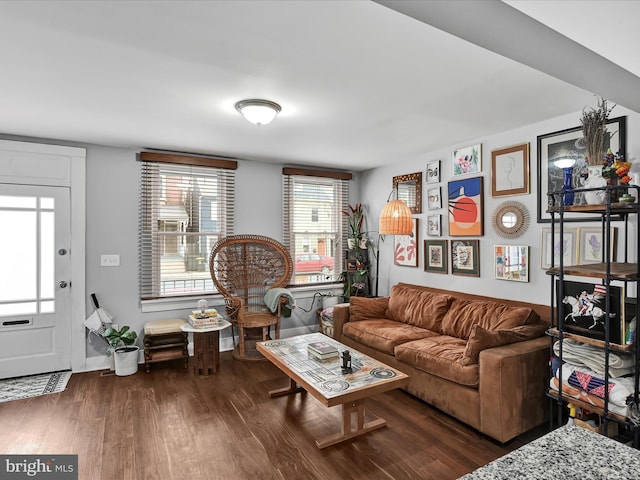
x,y
322,350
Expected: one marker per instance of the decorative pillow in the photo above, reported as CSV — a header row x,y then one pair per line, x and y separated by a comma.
x,y
418,308
363,308
481,339
464,314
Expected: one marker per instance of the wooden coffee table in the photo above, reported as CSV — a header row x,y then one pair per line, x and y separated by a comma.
x,y
325,380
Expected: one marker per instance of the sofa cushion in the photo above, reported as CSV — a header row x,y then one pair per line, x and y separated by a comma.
x,y
383,334
439,355
481,339
464,314
419,308
363,308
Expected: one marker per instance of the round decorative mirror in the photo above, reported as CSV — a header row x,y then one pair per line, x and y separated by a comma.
x,y
511,219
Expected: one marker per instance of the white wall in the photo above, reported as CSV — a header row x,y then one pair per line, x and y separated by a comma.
x,y
376,186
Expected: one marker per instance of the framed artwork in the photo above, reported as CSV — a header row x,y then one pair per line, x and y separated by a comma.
x,y
435,256
433,172
405,251
510,171
465,207
466,160
434,198
591,245
409,189
570,144
568,250
511,262
465,257
434,225
583,306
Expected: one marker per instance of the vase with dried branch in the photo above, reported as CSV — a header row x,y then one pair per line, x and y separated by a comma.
x,y
594,131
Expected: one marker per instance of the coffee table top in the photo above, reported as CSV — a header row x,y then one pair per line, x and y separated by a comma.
x,y
324,379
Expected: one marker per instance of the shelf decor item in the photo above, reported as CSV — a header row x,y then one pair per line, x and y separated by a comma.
x,y
569,144
595,133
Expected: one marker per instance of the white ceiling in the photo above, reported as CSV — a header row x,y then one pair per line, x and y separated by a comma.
x,y
360,84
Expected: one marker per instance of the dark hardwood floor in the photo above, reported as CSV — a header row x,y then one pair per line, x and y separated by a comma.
x,y
172,424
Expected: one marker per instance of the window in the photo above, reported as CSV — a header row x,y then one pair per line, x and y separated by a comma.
x,y
186,206
314,225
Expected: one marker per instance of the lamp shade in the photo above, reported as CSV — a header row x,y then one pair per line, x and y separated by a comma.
x,y
258,112
395,219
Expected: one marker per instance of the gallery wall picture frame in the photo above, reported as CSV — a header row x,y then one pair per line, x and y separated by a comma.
x,y
435,256
511,262
583,307
434,198
465,257
591,245
465,197
466,160
434,225
569,143
569,248
433,172
510,171
405,251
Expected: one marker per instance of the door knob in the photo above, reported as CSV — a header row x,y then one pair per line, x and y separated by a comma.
x,y
62,284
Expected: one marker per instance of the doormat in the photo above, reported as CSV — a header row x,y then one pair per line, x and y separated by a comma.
x,y
33,385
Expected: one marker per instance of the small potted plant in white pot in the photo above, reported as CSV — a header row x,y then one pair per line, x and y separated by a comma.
x,y
121,346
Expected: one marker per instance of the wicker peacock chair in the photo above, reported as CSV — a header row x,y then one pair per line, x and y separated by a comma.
x,y
243,268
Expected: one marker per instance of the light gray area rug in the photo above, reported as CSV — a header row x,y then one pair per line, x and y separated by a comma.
x,y
33,385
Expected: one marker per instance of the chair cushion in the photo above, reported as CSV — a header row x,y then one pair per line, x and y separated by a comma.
x,y
440,356
159,327
464,314
383,334
418,308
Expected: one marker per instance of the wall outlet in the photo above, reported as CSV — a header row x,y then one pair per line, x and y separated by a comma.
x,y
109,260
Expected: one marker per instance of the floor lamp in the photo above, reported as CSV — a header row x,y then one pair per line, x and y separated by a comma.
x,y
395,219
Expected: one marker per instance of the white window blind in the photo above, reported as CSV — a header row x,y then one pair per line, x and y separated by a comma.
x,y
314,226
186,206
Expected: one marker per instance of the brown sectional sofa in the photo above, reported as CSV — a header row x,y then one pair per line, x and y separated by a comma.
x,y
482,360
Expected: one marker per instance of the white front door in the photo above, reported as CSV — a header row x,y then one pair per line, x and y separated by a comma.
x,y
35,285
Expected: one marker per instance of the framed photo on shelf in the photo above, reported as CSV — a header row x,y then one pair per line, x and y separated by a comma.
x,y
467,160
465,257
434,225
569,143
435,256
511,262
405,251
434,198
583,307
510,171
433,172
591,245
568,250
465,207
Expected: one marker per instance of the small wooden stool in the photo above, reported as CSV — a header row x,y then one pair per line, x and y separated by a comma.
x,y
163,341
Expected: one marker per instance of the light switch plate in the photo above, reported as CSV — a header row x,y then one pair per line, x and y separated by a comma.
x,y
109,260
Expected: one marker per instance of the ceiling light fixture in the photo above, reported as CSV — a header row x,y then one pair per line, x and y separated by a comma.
x,y
259,112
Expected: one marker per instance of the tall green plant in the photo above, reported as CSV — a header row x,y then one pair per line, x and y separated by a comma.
x,y
356,218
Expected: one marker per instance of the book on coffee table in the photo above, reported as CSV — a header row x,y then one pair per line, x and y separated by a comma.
x,y
322,350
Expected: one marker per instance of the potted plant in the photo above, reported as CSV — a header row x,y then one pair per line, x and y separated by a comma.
x,y
594,130
356,219
596,140
121,346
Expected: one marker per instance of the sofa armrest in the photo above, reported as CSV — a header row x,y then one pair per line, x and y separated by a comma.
x,y
513,382
340,317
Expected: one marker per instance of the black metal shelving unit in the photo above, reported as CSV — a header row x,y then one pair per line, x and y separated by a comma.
x,y
607,271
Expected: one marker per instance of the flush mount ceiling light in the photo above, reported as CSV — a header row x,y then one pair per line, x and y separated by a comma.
x,y
258,112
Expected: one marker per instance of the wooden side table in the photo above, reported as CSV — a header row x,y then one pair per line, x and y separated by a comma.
x,y
206,346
